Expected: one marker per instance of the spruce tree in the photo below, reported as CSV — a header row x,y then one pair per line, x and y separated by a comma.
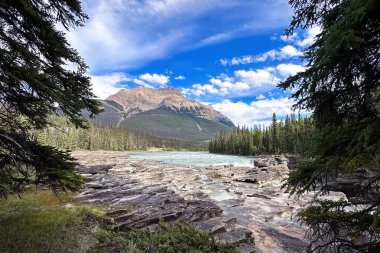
x,y
275,143
34,82
341,86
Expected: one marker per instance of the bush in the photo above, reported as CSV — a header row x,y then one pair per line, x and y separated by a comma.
x,y
168,238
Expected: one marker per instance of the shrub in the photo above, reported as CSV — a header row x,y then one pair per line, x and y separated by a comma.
x,y
167,237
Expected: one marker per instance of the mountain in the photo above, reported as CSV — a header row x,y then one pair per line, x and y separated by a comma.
x,y
163,112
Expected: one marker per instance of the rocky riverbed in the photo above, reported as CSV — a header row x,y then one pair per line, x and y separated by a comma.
x,y
243,205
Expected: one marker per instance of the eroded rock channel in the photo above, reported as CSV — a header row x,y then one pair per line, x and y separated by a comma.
x,y
242,205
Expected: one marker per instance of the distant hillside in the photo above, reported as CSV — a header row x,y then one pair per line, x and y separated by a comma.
x,y
100,137
163,112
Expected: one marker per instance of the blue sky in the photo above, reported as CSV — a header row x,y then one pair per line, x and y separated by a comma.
x,y
229,54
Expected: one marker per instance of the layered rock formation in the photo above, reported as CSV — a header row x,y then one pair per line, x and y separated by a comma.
x,y
237,204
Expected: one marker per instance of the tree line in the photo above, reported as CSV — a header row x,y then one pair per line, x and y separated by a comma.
x,y
64,135
292,135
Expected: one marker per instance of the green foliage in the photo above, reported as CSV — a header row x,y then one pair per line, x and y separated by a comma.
x,y
168,237
25,161
64,135
341,85
35,222
338,222
294,136
34,79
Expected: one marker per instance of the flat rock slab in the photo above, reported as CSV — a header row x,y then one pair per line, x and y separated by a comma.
x,y
252,199
237,235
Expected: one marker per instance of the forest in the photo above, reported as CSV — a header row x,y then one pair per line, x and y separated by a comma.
x,y
64,135
293,135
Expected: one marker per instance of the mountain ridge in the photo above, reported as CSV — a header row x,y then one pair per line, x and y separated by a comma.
x,y
163,112
142,99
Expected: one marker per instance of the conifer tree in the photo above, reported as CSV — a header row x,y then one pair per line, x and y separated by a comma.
x,y
34,80
341,86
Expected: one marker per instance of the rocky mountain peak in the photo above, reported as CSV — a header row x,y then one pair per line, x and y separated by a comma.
x,y
143,99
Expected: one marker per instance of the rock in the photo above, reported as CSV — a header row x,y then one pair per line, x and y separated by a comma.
x,y
246,248
158,191
261,163
214,226
95,169
256,195
96,186
246,180
238,235
201,210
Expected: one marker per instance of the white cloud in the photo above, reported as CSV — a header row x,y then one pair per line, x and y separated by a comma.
x,y
309,36
245,82
289,69
141,82
128,34
180,78
202,89
290,38
237,60
155,78
106,85
285,52
256,112
260,97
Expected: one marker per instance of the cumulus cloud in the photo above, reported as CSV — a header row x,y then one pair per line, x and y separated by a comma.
x,y
254,113
245,82
141,83
203,89
106,85
155,78
309,36
180,78
285,52
289,69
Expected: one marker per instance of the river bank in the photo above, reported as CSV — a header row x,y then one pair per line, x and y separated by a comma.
x,y
243,205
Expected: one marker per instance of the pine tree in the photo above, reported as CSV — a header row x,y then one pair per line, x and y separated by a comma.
x,y
341,86
34,79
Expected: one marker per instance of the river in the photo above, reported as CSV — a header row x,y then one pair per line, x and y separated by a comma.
x,y
195,159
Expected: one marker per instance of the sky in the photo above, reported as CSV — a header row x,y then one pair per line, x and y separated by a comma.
x,y
229,54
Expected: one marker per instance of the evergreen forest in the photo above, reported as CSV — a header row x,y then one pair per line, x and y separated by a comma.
x,y
64,135
293,135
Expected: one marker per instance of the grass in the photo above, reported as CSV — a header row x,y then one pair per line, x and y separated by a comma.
x,y
37,222
43,222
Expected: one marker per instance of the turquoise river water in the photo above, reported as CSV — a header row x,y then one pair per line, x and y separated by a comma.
x,y
196,159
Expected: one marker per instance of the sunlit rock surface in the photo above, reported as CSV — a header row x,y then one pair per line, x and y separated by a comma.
x,y
245,205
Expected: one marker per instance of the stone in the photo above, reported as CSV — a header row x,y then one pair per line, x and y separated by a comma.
x,y
95,169
237,235
213,226
246,180
158,191
246,248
